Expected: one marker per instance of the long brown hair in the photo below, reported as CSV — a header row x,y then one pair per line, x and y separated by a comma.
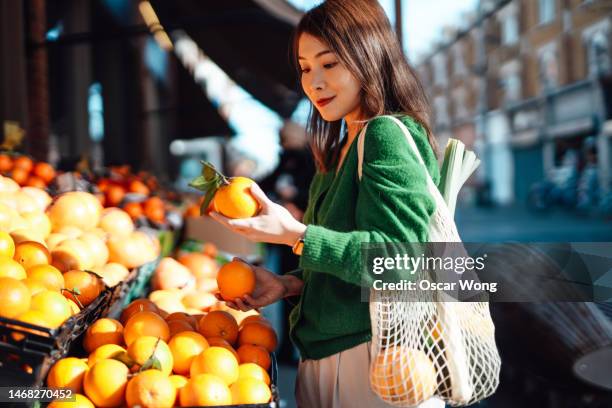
x,y
359,33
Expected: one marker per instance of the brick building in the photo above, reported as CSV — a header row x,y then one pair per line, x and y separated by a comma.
x,y
534,96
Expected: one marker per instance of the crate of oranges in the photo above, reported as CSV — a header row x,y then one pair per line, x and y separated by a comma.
x,y
148,357
62,264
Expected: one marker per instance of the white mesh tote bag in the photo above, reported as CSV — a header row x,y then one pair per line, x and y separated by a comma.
x,y
422,345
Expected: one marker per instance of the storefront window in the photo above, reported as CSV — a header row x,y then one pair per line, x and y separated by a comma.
x,y
546,11
599,54
439,63
549,69
510,32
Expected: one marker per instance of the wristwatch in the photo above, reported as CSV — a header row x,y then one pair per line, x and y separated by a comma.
x,y
298,247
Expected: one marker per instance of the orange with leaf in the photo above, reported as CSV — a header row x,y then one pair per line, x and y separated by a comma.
x,y
230,196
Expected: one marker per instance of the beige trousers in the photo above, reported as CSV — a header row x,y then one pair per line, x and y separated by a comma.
x,y
341,381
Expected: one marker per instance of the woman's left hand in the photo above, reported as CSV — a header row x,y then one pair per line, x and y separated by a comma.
x,y
274,224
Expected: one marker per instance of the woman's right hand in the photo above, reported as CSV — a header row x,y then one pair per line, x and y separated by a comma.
x,y
269,288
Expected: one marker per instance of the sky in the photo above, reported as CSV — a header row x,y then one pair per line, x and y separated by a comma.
x,y
423,19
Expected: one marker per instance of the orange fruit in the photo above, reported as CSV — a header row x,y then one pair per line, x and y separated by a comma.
x,y
133,209
182,316
6,163
7,246
205,390
112,273
199,300
136,306
34,181
185,347
200,265
193,211
39,195
114,195
219,342
44,171
105,383
178,381
116,221
48,275
235,279
103,331
210,250
153,202
9,268
20,175
36,318
252,370
155,214
88,285
23,162
249,353
97,248
145,324
54,306
219,324
72,253
138,187
30,253
76,209
179,326
259,334
104,352
216,361
141,349
74,307
150,388
80,401
253,318
133,250
34,286
407,375
250,390
14,298
68,373
235,199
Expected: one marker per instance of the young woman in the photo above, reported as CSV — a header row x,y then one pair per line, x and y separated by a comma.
x,y
352,69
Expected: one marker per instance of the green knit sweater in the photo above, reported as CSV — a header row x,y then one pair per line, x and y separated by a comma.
x,y
390,204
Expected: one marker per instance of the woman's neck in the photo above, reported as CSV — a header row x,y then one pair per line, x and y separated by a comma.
x,y
353,126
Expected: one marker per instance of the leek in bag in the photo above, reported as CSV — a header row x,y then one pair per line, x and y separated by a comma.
x,y
458,166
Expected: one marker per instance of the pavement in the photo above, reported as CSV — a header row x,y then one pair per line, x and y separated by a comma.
x,y
516,223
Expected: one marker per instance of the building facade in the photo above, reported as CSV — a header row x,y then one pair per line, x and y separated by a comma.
x,y
527,84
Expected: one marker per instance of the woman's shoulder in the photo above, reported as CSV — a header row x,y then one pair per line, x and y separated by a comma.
x,y
384,134
385,140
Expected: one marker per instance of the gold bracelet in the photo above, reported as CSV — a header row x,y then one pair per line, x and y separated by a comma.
x,y
298,247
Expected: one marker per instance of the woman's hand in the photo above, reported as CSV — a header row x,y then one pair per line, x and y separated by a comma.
x,y
269,288
274,224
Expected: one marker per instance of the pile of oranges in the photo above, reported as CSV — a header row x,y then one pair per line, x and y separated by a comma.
x,y
190,283
114,189
150,358
25,171
56,256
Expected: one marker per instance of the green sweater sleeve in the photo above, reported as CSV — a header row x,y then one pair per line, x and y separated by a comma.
x,y
393,205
